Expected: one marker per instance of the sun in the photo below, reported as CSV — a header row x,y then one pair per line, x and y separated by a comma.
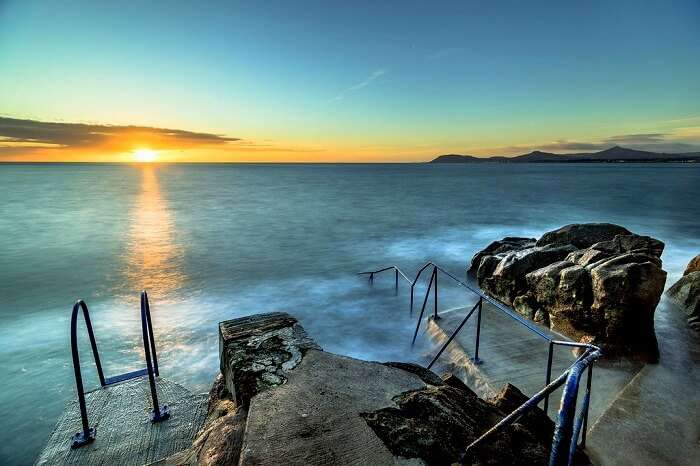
x,y
144,155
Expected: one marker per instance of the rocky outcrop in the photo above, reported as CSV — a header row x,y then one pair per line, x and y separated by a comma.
x,y
437,422
686,293
280,398
595,282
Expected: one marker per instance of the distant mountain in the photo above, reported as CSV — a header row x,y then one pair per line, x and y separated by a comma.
x,y
614,154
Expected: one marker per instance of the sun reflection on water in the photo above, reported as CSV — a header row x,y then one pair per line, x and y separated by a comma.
x,y
154,260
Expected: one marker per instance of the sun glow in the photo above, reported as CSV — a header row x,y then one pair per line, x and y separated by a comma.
x,y
144,155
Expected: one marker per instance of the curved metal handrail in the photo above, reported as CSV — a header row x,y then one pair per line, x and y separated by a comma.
x,y
88,433
563,441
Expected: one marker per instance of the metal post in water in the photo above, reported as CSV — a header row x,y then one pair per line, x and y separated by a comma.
x,y
422,309
549,374
396,280
435,295
478,332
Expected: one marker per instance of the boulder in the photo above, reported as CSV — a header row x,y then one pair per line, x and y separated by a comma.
x,y
594,282
693,265
686,294
582,235
508,277
436,423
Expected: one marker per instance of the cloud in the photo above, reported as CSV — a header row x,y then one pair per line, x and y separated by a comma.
x,y
375,74
16,133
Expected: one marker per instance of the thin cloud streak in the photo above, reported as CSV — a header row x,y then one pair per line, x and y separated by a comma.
x,y
375,74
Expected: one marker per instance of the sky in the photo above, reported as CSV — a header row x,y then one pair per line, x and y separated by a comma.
x,y
352,81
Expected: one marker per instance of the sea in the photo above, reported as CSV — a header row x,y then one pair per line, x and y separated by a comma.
x,y
211,242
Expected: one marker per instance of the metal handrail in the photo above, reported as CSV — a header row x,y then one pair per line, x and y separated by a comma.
x,y
159,413
565,434
88,434
397,273
591,353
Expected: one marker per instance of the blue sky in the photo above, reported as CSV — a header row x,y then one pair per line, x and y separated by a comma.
x,y
362,80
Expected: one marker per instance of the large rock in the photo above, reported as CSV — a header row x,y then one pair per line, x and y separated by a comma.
x,y
582,235
593,282
693,265
686,293
320,408
437,422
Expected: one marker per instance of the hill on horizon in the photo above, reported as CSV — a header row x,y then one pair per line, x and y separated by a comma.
x,y
611,155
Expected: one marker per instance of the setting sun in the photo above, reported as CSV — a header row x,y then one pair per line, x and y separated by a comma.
x,y
144,155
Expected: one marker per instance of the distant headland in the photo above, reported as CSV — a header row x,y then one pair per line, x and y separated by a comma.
x,y
615,154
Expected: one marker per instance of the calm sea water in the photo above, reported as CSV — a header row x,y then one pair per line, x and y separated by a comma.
x,y
212,242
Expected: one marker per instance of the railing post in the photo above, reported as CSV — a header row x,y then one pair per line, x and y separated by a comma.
x,y
435,294
585,413
454,334
478,332
549,373
87,435
159,413
371,278
411,305
422,310
396,280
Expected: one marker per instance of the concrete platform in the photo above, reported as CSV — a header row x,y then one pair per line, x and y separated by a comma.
x,y
322,402
655,419
125,435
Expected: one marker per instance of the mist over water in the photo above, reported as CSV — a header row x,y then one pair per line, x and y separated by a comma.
x,y
214,242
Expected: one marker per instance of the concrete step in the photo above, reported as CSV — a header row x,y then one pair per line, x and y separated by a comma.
x,y
125,435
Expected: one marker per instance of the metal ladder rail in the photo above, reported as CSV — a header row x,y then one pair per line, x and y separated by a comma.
x,y
88,434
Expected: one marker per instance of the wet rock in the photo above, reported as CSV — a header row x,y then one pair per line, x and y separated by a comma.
x,y
219,441
436,424
507,244
686,294
693,265
508,278
509,398
454,381
582,235
256,352
426,375
595,282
